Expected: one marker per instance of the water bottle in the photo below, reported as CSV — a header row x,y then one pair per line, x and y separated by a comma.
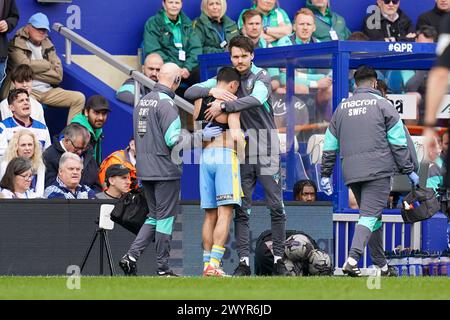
x,y
445,263
404,264
434,264
415,264
426,260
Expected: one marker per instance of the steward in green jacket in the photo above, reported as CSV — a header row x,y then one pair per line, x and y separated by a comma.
x,y
175,41
329,25
214,35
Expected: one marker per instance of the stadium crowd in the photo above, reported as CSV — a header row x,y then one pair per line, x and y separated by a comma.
x,y
69,165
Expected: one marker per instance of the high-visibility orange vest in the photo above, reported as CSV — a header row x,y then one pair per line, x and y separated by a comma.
x,y
117,157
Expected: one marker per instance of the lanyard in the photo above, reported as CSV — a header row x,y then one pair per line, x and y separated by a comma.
x,y
330,24
220,34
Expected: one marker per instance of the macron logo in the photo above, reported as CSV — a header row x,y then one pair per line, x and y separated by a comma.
x,y
400,47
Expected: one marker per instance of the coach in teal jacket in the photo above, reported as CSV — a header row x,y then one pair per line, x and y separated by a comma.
x,y
372,143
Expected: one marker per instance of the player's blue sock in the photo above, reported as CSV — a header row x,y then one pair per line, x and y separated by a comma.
x,y
216,255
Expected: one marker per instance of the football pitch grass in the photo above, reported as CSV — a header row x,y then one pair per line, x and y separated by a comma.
x,y
197,288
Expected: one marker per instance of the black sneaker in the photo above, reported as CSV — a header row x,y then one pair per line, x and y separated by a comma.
x,y
352,271
390,272
168,273
242,270
279,269
128,266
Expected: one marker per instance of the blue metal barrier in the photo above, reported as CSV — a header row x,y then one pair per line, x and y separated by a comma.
x,y
341,57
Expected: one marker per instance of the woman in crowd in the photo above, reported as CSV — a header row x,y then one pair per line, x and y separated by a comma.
x,y
25,144
16,182
214,28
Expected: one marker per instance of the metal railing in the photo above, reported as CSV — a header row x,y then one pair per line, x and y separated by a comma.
x,y
346,219
139,78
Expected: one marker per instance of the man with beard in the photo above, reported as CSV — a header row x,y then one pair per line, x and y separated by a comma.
x,y
93,119
150,69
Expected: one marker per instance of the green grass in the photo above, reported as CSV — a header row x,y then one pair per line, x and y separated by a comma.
x,y
197,288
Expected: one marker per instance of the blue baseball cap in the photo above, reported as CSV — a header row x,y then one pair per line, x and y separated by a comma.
x,y
39,21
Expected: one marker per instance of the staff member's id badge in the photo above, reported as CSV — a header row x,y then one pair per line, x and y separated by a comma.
x,y
223,44
333,35
182,55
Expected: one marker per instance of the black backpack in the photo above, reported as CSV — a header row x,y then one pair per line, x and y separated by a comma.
x,y
264,255
427,206
131,210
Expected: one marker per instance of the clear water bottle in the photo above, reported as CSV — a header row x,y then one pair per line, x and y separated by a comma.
x,y
404,264
415,264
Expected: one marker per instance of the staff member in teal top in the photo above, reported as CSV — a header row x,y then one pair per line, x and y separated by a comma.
x,y
170,34
214,28
276,22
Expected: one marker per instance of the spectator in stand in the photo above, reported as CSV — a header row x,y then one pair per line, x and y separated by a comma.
x,y
117,179
389,23
150,69
214,28
275,21
74,139
304,27
25,144
127,158
305,191
305,80
413,82
16,182
253,28
19,103
9,16
329,25
32,46
67,184
93,119
434,17
170,34
22,78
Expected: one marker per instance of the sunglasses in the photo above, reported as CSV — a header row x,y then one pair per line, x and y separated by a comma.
x,y
389,1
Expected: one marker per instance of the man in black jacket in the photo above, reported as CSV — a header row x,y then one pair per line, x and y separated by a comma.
x,y
389,23
9,16
75,139
434,17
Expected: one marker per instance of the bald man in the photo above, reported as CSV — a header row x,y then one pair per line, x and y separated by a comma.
x,y
150,69
157,130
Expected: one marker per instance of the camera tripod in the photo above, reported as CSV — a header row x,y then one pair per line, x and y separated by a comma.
x,y
104,243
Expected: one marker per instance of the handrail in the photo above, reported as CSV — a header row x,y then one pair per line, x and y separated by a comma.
x,y
138,77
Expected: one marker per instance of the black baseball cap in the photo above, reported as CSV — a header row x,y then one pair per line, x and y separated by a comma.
x,y
115,170
97,103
